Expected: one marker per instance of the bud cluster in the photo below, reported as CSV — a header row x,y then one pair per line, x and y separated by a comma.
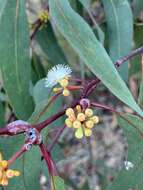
x,y
82,120
44,16
5,173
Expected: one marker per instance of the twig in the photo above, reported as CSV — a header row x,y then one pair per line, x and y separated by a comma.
x,y
128,57
51,146
17,155
48,160
97,105
37,25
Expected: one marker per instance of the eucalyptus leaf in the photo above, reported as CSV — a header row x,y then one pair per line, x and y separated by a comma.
x,y
120,31
82,39
14,56
37,71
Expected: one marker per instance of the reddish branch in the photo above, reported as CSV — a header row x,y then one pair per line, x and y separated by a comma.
x,y
17,155
51,146
97,105
47,157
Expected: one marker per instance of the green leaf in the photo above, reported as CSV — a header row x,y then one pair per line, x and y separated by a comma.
x,y
14,57
32,174
120,30
129,179
97,29
84,42
41,96
37,71
49,44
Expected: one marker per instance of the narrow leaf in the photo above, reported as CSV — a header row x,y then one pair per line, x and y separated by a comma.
x,y
120,30
14,57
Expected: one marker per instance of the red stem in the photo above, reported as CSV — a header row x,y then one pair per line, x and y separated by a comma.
x,y
49,120
51,146
17,155
51,167
4,131
97,105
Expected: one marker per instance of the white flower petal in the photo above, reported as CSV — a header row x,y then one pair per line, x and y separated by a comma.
x,y
57,73
128,165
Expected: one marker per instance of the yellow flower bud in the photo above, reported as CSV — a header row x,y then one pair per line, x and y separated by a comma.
x,y
64,82
76,124
89,124
43,16
72,118
89,112
66,92
95,119
56,89
1,157
81,117
68,122
10,173
78,108
87,132
69,112
1,174
4,181
4,164
16,173
79,133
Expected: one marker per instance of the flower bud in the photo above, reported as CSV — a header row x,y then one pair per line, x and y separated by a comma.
x,y
89,112
64,82
69,112
81,117
76,124
95,119
16,173
68,122
66,92
10,173
87,132
79,133
89,124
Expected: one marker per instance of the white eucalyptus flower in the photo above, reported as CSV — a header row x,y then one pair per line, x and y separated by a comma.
x,y
128,165
57,73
